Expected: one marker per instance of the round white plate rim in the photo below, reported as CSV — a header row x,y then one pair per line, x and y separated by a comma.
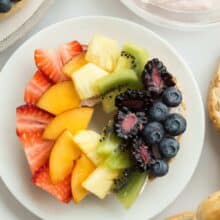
x,y
201,108
164,22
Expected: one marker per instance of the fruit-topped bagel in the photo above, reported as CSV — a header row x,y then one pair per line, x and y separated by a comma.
x,y
10,7
66,158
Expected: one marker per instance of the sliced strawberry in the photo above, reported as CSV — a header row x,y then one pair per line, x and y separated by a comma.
x,y
85,47
31,119
69,50
36,87
50,63
61,191
37,150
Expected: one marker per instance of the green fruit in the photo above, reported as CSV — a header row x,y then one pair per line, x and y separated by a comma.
x,y
125,61
129,193
127,78
118,160
108,101
109,142
139,54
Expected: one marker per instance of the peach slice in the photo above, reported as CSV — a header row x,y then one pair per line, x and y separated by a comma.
x,y
62,157
74,120
83,168
59,98
76,63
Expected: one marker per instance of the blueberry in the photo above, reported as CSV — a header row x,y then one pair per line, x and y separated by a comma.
x,y
172,97
153,133
169,147
159,168
158,112
175,124
5,5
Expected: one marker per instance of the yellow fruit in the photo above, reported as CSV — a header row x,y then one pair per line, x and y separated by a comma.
x,y
59,98
100,182
87,141
74,64
84,80
62,157
83,168
103,52
74,120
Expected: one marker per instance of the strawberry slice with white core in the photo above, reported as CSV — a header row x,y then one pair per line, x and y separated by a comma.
x,y
69,50
50,63
36,87
31,119
37,150
61,190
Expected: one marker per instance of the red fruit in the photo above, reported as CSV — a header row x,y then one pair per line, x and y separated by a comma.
x,y
61,191
36,87
37,150
50,63
69,50
31,119
85,47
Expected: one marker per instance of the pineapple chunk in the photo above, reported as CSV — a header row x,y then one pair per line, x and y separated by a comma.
x,y
87,141
104,52
100,182
84,80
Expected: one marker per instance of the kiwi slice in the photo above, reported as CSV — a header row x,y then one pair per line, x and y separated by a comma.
x,y
129,193
108,100
126,77
118,160
125,61
132,57
109,142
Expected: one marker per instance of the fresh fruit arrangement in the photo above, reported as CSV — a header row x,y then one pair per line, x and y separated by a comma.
x,y
66,158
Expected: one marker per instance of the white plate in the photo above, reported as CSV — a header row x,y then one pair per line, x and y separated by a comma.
x,y
180,20
159,193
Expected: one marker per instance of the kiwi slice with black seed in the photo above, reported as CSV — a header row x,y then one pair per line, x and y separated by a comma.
x,y
132,57
123,78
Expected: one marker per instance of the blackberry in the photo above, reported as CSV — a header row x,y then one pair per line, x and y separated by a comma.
x,y
127,124
141,154
156,78
135,100
124,146
122,180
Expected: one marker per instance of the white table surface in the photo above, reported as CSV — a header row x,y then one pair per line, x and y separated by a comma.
x,y
200,49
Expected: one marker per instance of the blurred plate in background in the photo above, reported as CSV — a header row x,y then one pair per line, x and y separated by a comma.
x,y
175,19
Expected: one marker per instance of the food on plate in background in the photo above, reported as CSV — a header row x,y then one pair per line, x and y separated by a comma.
x,y
185,5
209,209
10,7
214,100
